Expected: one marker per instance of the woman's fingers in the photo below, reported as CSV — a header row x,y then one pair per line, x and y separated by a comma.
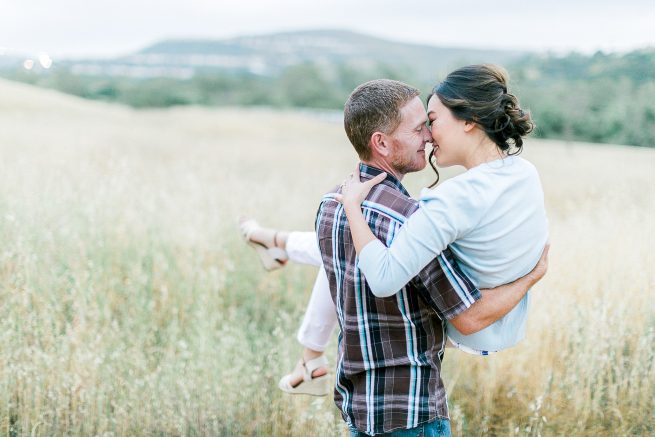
x,y
354,190
376,180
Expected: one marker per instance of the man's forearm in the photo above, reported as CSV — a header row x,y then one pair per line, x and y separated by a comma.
x,y
494,304
497,302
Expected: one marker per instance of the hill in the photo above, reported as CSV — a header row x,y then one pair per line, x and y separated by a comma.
x,y
272,53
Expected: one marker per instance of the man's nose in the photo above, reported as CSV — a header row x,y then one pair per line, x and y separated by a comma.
x,y
427,135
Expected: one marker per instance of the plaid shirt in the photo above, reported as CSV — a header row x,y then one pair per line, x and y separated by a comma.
x,y
390,349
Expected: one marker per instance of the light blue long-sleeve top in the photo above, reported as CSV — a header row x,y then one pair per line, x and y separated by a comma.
x,y
494,220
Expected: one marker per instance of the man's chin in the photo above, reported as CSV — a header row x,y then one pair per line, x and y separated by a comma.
x,y
417,167
410,167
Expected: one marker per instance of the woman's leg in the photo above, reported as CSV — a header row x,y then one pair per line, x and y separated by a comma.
x,y
320,317
302,247
316,329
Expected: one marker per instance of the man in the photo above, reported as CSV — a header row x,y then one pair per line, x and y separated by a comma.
x,y
390,349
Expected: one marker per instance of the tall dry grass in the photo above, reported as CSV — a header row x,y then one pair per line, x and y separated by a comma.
x,y
131,307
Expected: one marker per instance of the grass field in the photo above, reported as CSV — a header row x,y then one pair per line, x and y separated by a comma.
x,y
130,307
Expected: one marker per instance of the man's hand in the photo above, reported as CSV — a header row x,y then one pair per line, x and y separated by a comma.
x,y
539,271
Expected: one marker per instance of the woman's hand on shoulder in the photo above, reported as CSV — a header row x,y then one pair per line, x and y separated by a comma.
x,y
354,191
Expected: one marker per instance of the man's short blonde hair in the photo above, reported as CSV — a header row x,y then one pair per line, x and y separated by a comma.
x,y
372,107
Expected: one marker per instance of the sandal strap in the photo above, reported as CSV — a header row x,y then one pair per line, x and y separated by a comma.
x,y
247,228
278,254
314,364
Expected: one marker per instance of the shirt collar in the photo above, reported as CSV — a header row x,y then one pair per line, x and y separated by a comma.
x,y
369,172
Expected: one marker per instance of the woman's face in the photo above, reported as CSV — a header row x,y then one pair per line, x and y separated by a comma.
x,y
448,134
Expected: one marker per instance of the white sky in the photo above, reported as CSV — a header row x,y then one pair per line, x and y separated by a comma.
x,y
107,28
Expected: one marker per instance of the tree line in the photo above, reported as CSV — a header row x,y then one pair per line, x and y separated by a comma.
x,y
606,98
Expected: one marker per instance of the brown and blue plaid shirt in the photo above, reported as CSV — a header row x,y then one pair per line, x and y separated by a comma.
x,y
390,349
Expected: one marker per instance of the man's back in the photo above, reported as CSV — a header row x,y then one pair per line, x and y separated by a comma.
x,y
390,349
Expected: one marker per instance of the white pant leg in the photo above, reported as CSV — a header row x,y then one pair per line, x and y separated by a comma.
x,y
302,247
320,316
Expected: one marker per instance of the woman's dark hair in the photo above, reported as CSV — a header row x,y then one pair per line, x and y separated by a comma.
x,y
478,93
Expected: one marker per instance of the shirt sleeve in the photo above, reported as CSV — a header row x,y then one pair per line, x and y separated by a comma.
x,y
445,214
445,287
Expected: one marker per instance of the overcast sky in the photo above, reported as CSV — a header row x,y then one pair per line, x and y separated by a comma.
x,y
111,27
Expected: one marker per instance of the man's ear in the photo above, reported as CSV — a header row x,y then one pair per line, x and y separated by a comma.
x,y
379,144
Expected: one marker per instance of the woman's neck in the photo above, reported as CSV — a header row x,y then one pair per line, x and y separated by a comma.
x,y
485,151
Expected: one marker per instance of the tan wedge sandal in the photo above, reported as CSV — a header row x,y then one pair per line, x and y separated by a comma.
x,y
318,386
271,257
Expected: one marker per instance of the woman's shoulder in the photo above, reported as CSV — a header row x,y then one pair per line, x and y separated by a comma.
x,y
528,174
523,165
477,180
479,187
506,172
457,183
467,192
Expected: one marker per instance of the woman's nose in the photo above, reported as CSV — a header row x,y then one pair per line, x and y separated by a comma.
x,y
427,135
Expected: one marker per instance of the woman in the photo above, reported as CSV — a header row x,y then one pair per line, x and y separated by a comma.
x,y
492,216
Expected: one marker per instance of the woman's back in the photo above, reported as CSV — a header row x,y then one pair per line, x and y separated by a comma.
x,y
506,229
500,241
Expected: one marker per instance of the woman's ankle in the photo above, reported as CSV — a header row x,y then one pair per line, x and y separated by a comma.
x,y
280,239
270,237
310,354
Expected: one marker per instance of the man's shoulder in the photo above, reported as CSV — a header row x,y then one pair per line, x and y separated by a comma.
x,y
329,199
383,198
387,199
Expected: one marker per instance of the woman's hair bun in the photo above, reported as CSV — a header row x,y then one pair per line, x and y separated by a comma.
x,y
479,93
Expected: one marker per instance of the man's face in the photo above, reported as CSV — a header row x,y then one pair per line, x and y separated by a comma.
x,y
409,139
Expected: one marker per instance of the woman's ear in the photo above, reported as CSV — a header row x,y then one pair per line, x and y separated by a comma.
x,y
379,144
468,126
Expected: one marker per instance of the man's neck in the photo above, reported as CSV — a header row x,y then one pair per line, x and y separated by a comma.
x,y
385,166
